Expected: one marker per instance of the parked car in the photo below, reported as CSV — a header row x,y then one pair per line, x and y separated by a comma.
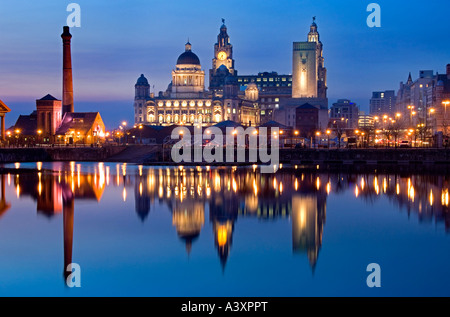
x,y
404,143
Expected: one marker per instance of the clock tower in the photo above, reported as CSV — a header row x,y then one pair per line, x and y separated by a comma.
x,y
223,54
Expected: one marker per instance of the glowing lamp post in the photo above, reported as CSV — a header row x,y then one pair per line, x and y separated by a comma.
x,y
328,138
445,103
296,134
318,133
125,139
39,132
17,131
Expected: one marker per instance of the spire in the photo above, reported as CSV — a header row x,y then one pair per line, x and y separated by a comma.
x,y
409,82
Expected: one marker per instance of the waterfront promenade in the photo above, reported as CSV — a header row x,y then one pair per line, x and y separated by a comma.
x,y
152,154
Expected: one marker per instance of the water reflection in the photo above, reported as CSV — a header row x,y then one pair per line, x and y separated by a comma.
x,y
227,194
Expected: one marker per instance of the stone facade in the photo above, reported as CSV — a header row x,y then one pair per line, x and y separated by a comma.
x,y
187,102
248,100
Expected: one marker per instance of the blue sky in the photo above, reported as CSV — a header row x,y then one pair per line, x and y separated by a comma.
x,y
118,40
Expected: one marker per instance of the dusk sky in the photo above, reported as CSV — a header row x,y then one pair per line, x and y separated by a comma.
x,y
119,40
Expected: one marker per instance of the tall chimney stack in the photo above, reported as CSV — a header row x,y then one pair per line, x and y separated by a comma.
x,y
67,104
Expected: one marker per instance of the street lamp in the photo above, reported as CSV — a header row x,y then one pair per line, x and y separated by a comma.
x,y
328,137
296,133
39,134
122,127
140,133
412,113
445,103
315,139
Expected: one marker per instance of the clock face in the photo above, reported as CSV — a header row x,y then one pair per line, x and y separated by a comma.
x,y
222,56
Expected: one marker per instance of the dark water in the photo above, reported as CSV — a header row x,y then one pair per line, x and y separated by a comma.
x,y
157,231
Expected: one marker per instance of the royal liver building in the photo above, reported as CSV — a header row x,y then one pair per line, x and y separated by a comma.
x,y
249,100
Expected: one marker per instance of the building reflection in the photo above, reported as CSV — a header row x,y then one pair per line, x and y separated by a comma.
x,y
56,193
188,217
229,193
218,197
4,205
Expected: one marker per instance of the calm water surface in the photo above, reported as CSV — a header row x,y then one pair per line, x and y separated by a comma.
x,y
166,231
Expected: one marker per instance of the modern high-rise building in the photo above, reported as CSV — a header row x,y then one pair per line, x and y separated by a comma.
x,y
383,103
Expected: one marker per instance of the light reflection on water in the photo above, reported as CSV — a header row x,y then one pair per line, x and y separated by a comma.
x,y
278,214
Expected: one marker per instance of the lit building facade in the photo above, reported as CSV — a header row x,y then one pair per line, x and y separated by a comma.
x,y
55,121
383,103
309,82
425,100
249,100
187,102
345,111
274,89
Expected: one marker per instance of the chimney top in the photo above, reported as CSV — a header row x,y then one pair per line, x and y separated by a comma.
x,y
66,32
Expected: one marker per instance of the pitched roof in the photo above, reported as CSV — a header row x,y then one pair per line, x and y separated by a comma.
x,y
3,107
274,124
226,124
26,124
48,97
78,121
307,106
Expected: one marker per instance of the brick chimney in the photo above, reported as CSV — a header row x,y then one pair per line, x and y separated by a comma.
x,y
67,101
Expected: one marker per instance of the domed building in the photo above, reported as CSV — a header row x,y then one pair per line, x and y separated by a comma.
x,y
187,102
188,79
